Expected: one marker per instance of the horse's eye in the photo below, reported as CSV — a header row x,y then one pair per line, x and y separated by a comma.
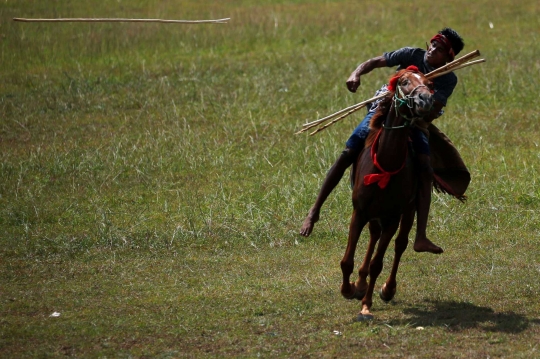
x,y
404,82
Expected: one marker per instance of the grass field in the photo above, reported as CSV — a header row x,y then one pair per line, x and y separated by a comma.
x,y
151,187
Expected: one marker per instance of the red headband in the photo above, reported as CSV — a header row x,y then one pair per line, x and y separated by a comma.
x,y
446,43
393,81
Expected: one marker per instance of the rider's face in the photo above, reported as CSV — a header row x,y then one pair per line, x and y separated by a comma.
x,y
436,55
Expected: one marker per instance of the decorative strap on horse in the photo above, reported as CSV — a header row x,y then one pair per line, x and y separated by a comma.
x,y
384,177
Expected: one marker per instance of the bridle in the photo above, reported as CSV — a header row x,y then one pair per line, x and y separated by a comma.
x,y
405,100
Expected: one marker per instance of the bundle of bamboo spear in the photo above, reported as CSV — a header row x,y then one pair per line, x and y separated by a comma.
x,y
340,115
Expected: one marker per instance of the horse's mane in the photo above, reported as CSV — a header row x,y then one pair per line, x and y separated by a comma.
x,y
378,118
382,109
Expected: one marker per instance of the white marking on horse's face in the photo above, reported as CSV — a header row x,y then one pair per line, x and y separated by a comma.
x,y
417,76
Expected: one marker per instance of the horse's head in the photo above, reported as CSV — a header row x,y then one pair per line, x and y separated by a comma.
x,y
413,93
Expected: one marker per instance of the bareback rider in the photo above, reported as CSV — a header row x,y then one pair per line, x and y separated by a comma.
x,y
442,49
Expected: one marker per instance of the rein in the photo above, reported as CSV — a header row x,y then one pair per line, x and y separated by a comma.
x,y
384,177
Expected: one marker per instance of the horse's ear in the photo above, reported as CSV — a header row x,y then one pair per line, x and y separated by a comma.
x,y
392,84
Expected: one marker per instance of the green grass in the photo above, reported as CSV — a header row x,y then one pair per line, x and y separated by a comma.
x,y
151,187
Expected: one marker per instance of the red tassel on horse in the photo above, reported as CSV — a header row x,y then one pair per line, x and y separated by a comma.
x,y
393,81
381,178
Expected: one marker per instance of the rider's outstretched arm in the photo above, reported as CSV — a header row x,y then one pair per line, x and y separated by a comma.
x,y
365,67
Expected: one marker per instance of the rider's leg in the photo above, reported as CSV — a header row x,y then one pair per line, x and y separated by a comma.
x,y
353,147
333,177
423,198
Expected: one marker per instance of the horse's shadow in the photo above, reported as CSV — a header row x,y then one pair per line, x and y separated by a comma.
x,y
457,316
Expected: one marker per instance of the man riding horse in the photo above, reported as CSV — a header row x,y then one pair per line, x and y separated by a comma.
x,y
442,49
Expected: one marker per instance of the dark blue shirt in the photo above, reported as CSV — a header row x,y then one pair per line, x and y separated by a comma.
x,y
407,56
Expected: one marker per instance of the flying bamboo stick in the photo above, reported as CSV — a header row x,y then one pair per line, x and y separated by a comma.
x,y
449,67
217,21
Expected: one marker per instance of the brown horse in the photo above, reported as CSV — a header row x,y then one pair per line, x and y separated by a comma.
x,y
385,187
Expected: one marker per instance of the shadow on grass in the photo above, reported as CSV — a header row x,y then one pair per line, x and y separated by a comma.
x,y
458,316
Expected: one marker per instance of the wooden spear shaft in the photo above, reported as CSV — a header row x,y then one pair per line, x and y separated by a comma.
x,y
459,67
217,21
453,64
341,117
316,122
353,108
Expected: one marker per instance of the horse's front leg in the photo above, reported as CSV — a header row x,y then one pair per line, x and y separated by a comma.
x,y
376,266
388,289
361,283
347,263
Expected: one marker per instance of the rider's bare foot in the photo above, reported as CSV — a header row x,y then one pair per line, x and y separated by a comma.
x,y
309,222
425,245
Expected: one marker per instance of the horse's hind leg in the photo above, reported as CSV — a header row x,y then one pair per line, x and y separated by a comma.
x,y
388,289
376,265
361,283
347,263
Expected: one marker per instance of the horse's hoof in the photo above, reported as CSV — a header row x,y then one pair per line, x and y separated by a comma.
x,y
359,292
355,294
348,296
385,298
364,317
360,295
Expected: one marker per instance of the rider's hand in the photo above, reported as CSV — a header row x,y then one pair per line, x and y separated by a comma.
x,y
353,82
